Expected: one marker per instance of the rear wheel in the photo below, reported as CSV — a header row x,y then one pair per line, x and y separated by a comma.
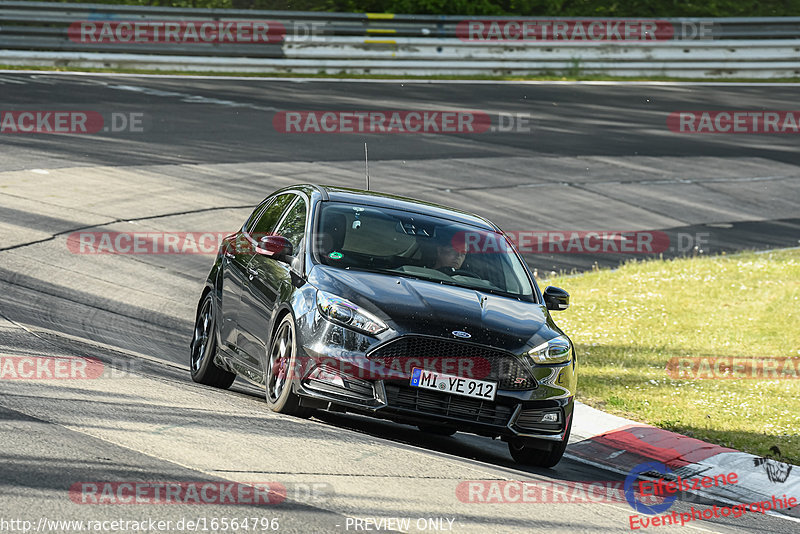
x,y
529,454
281,362
204,349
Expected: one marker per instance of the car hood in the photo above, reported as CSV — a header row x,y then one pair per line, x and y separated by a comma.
x,y
413,306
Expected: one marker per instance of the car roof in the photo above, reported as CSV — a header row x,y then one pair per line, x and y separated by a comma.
x,y
384,200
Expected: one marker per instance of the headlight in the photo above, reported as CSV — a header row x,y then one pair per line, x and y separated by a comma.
x,y
345,312
557,350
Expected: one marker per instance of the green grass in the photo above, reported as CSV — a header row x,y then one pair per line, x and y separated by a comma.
x,y
569,76
627,323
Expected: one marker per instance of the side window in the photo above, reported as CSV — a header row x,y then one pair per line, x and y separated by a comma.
x,y
293,226
270,216
251,220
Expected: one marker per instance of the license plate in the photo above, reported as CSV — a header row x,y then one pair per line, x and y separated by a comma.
x,y
468,387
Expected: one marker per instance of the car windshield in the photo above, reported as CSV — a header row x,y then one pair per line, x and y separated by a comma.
x,y
403,243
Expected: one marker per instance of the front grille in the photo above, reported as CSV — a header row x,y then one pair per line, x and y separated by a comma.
x,y
458,407
450,357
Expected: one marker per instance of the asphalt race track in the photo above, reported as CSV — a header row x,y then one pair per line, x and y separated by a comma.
x,y
587,158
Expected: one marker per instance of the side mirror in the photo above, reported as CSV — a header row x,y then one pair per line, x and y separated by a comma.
x,y
556,299
276,247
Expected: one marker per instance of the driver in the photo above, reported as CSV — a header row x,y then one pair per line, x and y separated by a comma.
x,y
448,258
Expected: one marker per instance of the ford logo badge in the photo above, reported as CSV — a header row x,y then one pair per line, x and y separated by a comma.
x,y
462,335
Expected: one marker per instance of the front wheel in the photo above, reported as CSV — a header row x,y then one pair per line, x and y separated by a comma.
x,y
204,349
279,372
526,454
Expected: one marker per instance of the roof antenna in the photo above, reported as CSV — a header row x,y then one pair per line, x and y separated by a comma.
x,y
366,164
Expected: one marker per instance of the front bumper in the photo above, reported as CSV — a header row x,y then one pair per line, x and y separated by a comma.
x,y
342,377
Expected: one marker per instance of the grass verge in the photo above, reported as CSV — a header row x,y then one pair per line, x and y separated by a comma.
x,y
627,324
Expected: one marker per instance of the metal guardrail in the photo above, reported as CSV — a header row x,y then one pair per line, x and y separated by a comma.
x,y
44,34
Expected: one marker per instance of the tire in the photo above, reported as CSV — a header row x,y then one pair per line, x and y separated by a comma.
x,y
279,377
527,455
204,349
438,430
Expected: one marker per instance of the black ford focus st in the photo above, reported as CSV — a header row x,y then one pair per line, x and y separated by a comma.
x,y
333,298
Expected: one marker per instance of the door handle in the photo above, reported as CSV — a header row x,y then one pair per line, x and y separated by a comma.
x,y
252,272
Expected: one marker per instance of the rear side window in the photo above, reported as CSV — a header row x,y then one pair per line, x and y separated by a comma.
x,y
268,219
